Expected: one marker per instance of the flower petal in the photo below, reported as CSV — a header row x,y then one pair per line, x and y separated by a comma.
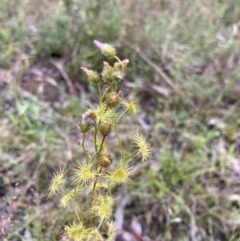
x,y
99,44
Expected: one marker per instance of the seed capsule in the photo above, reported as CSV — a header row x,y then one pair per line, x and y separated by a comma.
x,y
113,99
84,127
105,160
89,117
105,128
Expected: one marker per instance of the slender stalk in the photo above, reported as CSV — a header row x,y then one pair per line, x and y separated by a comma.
x,y
84,149
115,86
76,197
117,59
105,92
117,134
130,155
99,152
94,187
101,146
100,92
93,195
76,214
95,138
121,116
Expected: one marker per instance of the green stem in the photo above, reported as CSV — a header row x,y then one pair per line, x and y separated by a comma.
x,y
131,154
76,214
95,137
93,195
117,59
101,146
100,92
115,86
117,134
99,152
121,116
76,197
105,92
84,149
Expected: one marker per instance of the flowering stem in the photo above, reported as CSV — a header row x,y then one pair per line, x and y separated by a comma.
x,y
95,137
96,222
76,197
101,146
100,149
93,194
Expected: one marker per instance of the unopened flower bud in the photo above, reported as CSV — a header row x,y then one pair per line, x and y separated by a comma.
x,y
107,73
105,160
121,66
105,128
93,76
107,50
84,127
113,99
89,117
119,69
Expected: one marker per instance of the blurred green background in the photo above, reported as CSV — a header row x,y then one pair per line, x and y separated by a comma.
x,y
184,69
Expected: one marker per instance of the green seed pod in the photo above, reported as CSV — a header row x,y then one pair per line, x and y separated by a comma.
x,y
113,99
105,160
105,128
84,127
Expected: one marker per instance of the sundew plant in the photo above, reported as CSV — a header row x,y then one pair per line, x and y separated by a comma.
x,y
100,171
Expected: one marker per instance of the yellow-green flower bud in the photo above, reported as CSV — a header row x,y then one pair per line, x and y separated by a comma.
x,y
120,69
105,128
93,76
105,160
84,127
107,73
107,50
113,99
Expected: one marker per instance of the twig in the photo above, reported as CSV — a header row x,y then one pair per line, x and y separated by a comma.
x,y
65,76
166,78
157,68
134,233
